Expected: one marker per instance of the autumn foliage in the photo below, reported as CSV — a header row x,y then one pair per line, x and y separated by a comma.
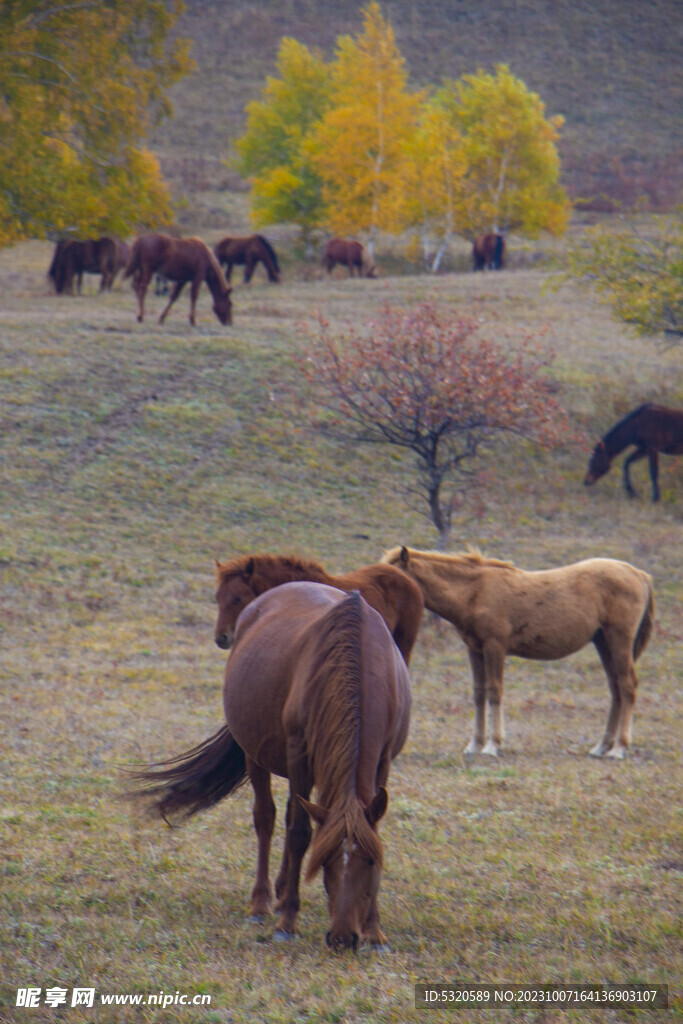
x,y
428,382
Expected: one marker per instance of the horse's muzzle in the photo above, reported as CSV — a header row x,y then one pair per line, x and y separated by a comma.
x,y
223,641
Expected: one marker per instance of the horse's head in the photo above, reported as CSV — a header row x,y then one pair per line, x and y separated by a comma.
x,y
369,268
222,306
598,464
234,593
352,871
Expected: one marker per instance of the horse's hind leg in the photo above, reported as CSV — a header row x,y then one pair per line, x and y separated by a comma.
x,y
175,292
615,654
264,822
141,280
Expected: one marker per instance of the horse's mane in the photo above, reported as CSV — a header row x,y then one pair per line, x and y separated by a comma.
x,y
333,719
613,433
215,267
270,566
472,557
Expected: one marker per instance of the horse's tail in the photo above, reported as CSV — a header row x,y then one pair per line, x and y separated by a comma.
x,y
195,780
646,623
271,252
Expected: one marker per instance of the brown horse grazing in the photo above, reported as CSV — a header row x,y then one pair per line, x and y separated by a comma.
x,y
390,592
315,691
488,252
72,259
651,429
247,252
498,609
180,260
350,254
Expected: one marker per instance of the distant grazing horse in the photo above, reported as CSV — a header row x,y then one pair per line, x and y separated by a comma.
x,y
73,258
247,252
651,429
498,610
315,691
350,254
488,252
388,591
180,260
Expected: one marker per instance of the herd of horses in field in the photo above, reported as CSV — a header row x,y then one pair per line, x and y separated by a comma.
x,y
316,690
650,429
316,687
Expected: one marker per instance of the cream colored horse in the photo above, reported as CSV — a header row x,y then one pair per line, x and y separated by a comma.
x,y
499,609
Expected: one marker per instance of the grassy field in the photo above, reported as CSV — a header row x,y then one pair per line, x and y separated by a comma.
x,y
131,456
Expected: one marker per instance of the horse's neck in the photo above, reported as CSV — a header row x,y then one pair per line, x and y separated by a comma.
x,y
445,586
619,437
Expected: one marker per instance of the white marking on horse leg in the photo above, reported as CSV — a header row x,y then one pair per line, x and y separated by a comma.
x,y
473,747
491,748
496,711
599,749
618,752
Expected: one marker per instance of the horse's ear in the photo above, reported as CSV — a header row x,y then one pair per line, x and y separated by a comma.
x,y
249,567
377,808
314,811
404,556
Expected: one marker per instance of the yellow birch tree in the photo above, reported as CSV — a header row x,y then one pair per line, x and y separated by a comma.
x,y
361,143
513,166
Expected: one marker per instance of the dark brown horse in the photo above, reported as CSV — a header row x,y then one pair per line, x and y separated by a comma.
x,y
247,252
488,252
180,260
73,258
348,253
390,592
650,429
315,691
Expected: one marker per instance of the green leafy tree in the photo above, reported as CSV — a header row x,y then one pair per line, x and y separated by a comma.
x,y
361,143
513,167
275,151
80,85
430,384
639,270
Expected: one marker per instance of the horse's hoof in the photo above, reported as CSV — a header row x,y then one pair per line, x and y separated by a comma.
x,y
616,753
380,947
257,918
598,751
282,936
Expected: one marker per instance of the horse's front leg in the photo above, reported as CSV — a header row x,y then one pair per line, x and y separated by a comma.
x,y
476,744
175,292
635,456
494,662
264,822
196,285
298,838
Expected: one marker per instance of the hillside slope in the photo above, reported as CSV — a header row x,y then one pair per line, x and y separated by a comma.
x,y
613,70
